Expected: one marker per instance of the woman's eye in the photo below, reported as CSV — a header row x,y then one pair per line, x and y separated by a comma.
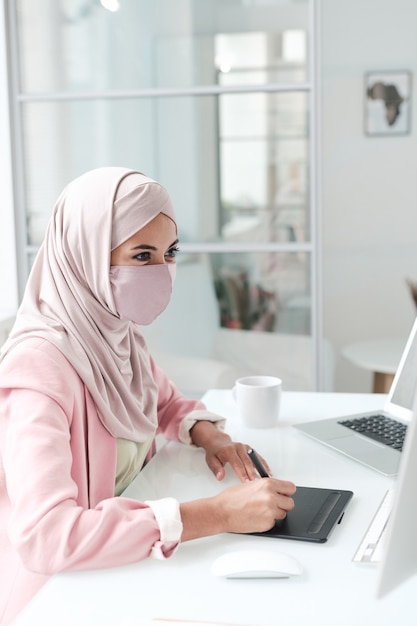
x,y
142,256
173,252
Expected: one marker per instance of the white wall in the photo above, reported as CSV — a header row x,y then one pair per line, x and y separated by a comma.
x,y
8,271
369,190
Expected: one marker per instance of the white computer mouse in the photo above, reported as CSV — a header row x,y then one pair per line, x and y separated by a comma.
x,y
256,563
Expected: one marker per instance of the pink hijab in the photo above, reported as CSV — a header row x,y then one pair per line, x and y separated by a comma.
x,y
68,298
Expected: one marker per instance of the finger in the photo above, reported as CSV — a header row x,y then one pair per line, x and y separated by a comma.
x,y
285,487
216,467
285,505
236,456
242,464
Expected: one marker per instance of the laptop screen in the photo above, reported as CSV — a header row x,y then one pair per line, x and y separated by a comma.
x,y
405,382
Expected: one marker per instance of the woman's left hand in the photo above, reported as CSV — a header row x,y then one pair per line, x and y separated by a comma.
x,y
220,450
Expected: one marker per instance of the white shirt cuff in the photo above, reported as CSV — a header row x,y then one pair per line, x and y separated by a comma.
x,y
198,416
167,514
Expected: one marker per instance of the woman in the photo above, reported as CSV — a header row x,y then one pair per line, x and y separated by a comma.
x,y
81,399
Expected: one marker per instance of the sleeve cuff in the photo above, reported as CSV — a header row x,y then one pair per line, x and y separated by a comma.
x,y
194,417
168,517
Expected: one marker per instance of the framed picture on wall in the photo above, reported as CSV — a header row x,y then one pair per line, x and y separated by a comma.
x,y
388,103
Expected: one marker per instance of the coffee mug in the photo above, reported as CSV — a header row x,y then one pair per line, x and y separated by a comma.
x,y
258,399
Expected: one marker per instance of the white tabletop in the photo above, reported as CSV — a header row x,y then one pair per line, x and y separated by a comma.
x,y
377,355
332,591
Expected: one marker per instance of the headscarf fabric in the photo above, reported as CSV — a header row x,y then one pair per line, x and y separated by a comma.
x,y
68,298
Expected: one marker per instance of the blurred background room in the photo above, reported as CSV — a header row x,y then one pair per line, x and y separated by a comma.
x,y
297,216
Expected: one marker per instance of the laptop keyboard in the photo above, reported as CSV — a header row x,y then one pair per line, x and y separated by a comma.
x,y
380,428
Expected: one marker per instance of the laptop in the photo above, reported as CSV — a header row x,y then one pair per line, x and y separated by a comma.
x,y
381,447
391,538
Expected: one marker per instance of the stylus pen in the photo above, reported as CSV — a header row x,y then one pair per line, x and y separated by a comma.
x,y
258,463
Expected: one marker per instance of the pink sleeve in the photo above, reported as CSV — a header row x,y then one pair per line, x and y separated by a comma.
x,y
51,523
176,413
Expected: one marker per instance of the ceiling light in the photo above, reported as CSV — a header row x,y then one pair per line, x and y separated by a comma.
x,y
110,5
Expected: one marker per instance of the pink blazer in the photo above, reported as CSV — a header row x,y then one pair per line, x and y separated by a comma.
x,y
57,476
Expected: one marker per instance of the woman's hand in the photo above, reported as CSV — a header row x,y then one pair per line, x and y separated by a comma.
x,y
220,450
252,507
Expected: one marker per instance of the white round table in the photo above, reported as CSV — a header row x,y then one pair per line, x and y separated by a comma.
x,y
380,356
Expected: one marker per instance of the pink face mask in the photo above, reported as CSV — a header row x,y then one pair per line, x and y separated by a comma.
x,y
141,293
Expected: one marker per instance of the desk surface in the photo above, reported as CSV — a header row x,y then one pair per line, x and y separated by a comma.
x,y
332,591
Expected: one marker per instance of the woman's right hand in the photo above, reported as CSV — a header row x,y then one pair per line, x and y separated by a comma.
x,y
253,506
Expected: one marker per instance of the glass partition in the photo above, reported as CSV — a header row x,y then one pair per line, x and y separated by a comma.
x,y
212,99
78,45
251,311
266,291
233,168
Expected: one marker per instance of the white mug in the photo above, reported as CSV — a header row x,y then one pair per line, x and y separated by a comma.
x,y
258,399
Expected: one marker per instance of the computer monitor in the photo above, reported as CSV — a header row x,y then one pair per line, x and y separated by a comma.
x,y
399,561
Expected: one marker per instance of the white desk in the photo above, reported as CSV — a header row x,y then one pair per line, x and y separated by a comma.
x,y
331,592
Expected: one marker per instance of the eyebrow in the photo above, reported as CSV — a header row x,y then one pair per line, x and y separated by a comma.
x,y
145,246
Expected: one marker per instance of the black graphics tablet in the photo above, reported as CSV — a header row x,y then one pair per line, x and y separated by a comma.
x,y
315,514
